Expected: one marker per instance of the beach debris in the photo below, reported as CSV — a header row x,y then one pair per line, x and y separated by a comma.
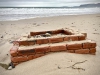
x,y
37,36
43,35
60,34
11,64
10,68
2,36
46,35
78,68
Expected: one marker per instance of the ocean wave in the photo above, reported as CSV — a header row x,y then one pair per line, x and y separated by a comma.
x,y
25,13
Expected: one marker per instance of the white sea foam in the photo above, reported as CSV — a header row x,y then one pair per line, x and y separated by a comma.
x,y
25,13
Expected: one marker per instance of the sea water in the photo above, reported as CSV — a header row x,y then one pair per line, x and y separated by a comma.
x,y
7,14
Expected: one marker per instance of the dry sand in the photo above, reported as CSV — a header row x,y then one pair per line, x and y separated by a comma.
x,y
54,63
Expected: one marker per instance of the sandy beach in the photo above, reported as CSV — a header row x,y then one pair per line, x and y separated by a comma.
x,y
54,63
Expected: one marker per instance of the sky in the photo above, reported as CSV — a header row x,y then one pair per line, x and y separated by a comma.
x,y
44,3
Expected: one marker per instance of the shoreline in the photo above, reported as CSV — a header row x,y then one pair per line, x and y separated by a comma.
x,y
52,16
11,30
